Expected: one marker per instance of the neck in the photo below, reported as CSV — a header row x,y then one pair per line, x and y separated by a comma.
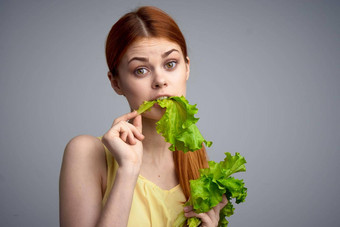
x,y
155,147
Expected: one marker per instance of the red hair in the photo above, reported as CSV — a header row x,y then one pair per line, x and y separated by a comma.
x,y
145,22
154,23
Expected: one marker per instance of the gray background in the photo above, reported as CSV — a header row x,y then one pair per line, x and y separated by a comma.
x,y
265,76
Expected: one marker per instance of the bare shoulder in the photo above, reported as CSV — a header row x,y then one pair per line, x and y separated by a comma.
x,y
84,147
84,143
84,153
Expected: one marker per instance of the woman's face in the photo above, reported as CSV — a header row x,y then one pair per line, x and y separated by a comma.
x,y
151,68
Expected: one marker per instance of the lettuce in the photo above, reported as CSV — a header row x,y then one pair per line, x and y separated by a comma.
x,y
178,124
207,191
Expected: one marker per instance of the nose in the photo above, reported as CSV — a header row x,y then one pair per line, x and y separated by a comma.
x,y
159,81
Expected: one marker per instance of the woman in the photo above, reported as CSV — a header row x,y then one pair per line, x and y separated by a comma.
x,y
129,177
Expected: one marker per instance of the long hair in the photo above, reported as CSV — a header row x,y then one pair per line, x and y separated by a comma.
x,y
152,22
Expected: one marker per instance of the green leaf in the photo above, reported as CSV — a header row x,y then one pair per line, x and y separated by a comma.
x,y
194,222
205,194
145,106
178,124
226,211
233,164
235,188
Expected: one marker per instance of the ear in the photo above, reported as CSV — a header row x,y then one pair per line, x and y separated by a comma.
x,y
188,67
115,83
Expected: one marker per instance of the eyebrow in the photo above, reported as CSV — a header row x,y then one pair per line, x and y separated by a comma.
x,y
168,53
147,59
138,59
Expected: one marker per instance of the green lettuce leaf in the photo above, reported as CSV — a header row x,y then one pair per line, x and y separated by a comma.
x,y
178,124
145,106
193,222
207,191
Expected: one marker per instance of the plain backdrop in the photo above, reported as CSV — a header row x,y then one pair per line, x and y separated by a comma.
x,y
265,75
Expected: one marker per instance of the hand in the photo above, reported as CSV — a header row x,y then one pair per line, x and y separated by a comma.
x,y
210,218
124,141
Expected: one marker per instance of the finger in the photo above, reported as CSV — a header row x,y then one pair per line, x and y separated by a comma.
x,y
126,132
125,117
137,122
212,217
131,138
224,201
124,135
222,204
136,132
124,126
187,208
190,214
217,210
214,214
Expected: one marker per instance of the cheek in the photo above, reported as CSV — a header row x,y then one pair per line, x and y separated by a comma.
x,y
182,82
134,94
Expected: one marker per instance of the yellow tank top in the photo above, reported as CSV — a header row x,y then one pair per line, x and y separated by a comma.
x,y
151,205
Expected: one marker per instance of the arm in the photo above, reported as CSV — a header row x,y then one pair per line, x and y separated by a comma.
x,y
81,178
117,209
80,186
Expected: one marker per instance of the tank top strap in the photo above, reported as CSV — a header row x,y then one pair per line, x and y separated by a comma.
x,y
112,166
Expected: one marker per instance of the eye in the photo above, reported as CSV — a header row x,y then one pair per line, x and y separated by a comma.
x,y
170,64
141,71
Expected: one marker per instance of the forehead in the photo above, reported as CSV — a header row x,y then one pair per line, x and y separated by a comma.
x,y
149,46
